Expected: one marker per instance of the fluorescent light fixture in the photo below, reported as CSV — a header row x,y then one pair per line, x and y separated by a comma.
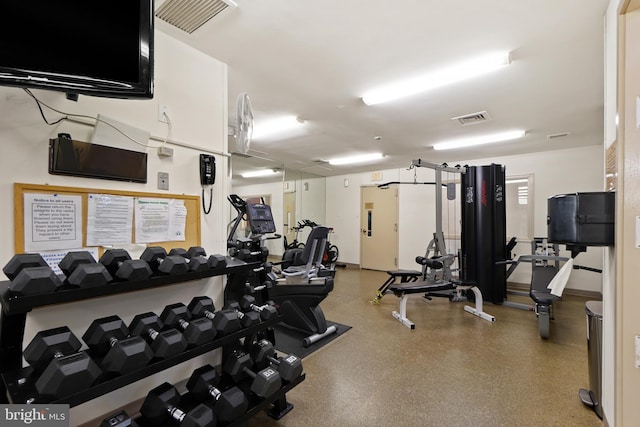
x,y
479,140
356,159
260,173
517,181
275,126
452,74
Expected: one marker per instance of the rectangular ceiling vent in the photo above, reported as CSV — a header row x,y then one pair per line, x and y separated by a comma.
x,y
189,15
473,118
558,135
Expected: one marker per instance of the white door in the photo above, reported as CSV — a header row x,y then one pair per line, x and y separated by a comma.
x,y
379,228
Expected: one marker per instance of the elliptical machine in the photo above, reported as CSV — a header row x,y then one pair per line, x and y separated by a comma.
x,y
250,249
298,293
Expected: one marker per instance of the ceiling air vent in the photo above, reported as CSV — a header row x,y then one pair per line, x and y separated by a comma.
x,y
557,135
189,15
473,118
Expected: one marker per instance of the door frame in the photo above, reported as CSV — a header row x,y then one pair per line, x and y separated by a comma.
x,y
396,242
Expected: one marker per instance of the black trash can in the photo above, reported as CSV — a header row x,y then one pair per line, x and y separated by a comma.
x,y
593,396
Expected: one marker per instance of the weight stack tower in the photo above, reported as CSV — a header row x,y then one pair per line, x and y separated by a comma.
x,y
484,230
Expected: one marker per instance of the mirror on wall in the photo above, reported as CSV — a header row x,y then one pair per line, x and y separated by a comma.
x,y
292,194
304,198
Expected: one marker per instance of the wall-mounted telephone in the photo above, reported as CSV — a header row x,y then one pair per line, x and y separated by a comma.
x,y
207,169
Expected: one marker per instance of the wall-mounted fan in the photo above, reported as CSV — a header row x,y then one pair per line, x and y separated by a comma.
x,y
244,123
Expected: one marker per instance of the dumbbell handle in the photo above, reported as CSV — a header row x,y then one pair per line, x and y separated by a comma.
x,y
208,314
152,333
176,413
183,323
214,392
258,308
113,341
250,373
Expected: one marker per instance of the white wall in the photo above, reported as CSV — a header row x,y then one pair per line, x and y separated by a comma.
x,y
555,172
194,87
343,210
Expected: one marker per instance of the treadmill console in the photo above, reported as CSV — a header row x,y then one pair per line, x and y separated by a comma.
x,y
260,218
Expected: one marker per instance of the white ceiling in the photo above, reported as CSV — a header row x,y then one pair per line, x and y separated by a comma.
x,y
316,59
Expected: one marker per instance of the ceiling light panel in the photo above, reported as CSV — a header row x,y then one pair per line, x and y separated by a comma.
x,y
356,159
275,126
189,15
431,80
479,140
259,173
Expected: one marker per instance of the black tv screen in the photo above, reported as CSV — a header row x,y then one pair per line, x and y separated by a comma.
x,y
78,46
77,158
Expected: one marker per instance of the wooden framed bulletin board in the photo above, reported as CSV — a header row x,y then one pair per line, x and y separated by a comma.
x,y
191,203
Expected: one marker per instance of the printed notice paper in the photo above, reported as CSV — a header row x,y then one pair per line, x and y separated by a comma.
x,y
52,221
159,220
109,219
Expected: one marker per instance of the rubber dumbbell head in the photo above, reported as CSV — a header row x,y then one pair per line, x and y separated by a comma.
x,y
248,319
119,264
217,261
21,261
83,271
64,371
158,260
195,251
197,331
264,383
165,343
161,405
263,353
109,337
49,344
30,275
68,375
229,404
224,321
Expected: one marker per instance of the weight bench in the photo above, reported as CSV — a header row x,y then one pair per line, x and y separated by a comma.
x,y
403,290
408,276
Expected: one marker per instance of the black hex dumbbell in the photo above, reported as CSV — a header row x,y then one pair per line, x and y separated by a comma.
x,y
119,264
247,319
63,370
263,353
217,261
195,261
109,337
30,275
161,405
165,343
225,321
267,311
197,331
229,404
265,382
82,270
158,260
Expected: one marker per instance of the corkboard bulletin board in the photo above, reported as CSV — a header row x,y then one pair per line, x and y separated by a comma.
x,y
191,203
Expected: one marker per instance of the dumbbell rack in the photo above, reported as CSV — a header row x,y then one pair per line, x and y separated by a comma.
x,y
16,383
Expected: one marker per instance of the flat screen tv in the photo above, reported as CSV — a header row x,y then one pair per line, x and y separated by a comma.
x,y
77,158
98,48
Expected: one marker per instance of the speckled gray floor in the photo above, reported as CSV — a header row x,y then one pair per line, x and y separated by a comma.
x,y
454,369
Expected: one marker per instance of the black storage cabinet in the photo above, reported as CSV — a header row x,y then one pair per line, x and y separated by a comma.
x,y
581,219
